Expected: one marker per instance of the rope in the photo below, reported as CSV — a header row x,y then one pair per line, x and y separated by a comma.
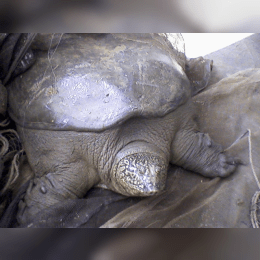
x,y
10,147
4,145
14,171
4,123
256,197
251,159
254,208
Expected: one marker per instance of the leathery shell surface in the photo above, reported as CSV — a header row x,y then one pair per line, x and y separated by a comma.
x,y
93,82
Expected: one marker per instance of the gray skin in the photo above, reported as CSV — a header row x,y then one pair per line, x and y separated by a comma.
x,y
129,156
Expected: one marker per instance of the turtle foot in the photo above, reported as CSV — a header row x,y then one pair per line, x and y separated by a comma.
x,y
197,152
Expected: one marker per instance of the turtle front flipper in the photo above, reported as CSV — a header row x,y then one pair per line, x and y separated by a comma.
x,y
49,190
198,71
197,152
61,172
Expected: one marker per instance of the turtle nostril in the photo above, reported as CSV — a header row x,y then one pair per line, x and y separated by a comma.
x,y
157,170
153,192
142,170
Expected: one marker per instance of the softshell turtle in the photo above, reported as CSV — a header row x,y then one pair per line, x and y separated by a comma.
x,y
110,110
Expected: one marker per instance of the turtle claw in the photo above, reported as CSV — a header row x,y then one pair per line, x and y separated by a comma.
x,y
227,165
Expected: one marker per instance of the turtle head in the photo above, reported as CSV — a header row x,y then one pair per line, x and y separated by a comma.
x,y
139,169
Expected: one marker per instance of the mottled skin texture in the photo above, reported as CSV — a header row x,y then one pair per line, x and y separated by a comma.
x,y
67,164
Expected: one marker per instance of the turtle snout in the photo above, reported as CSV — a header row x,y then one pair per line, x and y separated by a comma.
x,y
140,174
153,179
